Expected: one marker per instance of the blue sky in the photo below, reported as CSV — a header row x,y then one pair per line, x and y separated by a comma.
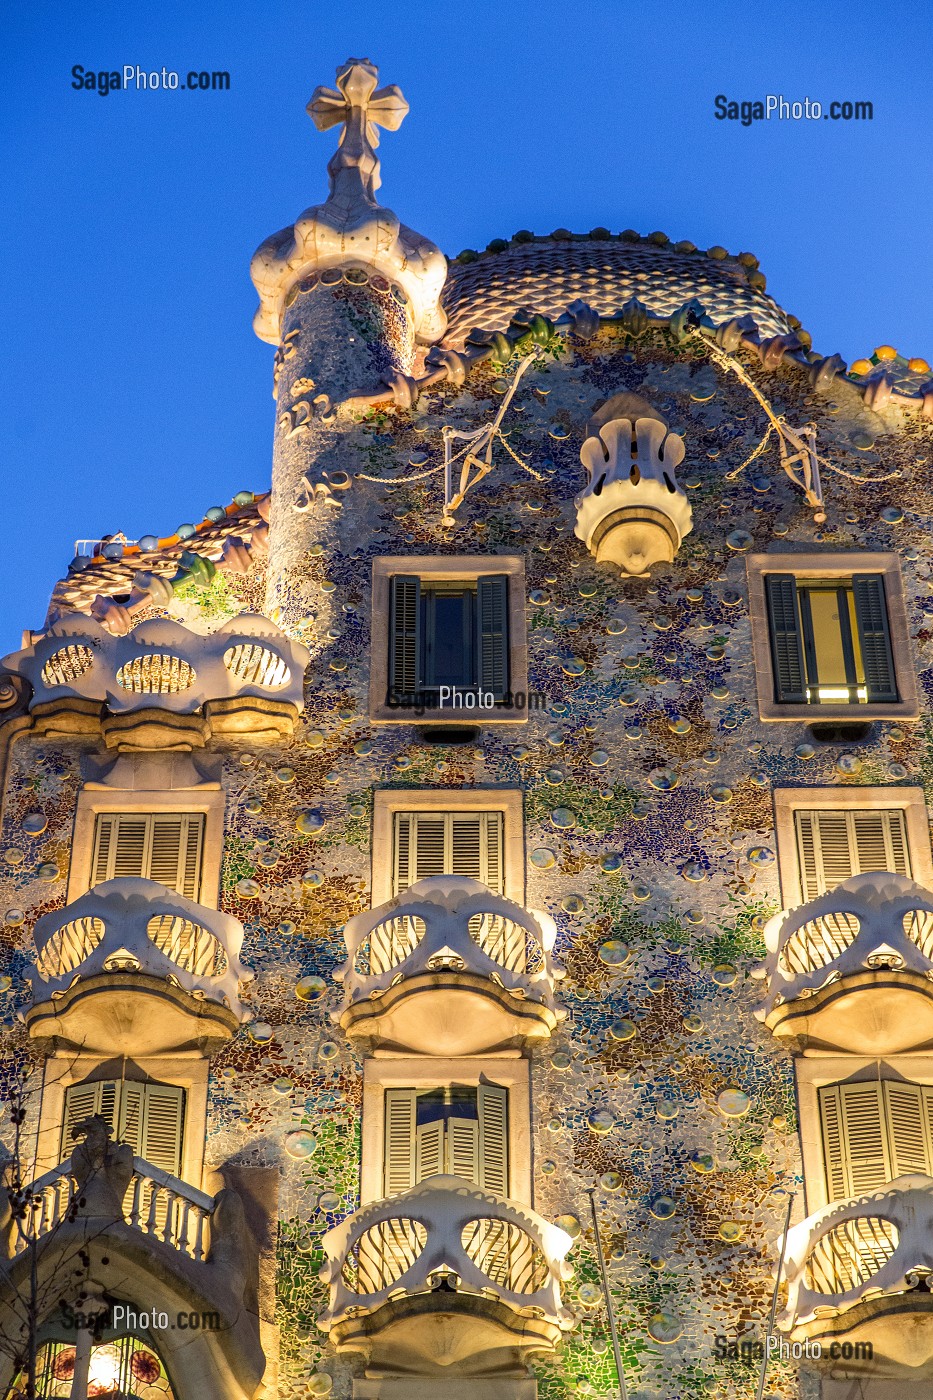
x,y
135,394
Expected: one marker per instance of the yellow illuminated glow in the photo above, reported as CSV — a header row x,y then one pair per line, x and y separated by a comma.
x,y
831,647
104,1372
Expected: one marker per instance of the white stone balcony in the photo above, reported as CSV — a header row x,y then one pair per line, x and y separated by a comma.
x,y
161,686
861,1270
143,1236
133,968
853,969
449,968
156,1204
446,1279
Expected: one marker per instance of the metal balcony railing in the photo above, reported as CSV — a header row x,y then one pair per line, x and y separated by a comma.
x,y
446,1229
873,1246
130,925
450,922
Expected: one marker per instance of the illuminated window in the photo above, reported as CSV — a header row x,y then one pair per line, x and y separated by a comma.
x,y
122,1369
830,640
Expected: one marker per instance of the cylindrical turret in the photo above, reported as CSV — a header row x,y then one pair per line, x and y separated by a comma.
x,y
346,294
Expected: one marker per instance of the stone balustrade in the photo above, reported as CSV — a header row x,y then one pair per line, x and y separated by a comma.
x,y
156,1204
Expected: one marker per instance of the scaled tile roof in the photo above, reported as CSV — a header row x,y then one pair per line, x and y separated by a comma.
x,y
547,274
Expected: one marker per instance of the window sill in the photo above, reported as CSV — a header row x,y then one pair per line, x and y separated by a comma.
x,y
447,718
772,712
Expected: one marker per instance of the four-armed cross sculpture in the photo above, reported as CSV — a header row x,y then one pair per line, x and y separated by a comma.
x,y
361,110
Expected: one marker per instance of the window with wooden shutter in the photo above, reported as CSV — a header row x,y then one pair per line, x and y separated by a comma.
x,y
148,1117
459,1131
447,632
834,845
786,639
874,1132
871,612
830,640
404,636
448,843
163,846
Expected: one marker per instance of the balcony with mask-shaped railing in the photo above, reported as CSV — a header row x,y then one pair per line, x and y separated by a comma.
x,y
134,968
446,1279
860,1272
160,685
852,970
449,968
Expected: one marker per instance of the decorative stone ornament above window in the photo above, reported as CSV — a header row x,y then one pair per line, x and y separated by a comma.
x,y
632,513
165,687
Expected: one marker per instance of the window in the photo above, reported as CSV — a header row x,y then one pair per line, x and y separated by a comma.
x,y
419,832
874,1132
830,637
448,843
826,835
834,846
448,639
459,1130
448,633
149,1117
162,846
830,641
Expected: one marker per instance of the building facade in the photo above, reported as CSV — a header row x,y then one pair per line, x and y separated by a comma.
x,y
488,873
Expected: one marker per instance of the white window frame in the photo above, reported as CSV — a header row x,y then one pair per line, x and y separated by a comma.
x,y
446,568
388,801
512,1072
832,565
817,1072
909,800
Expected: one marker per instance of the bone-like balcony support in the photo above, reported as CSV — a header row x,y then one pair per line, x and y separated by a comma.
x,y
445,939
446,1229
853,968
632,513
140,926
864,1265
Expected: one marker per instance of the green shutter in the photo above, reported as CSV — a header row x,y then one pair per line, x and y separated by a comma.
x,y
405,634
786,642
492,621
871,615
